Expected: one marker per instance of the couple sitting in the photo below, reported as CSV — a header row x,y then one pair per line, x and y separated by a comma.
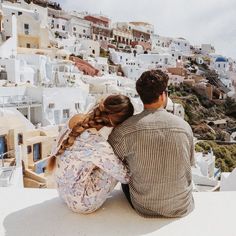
x,y
150,154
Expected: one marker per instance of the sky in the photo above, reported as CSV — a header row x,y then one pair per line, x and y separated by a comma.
x,y
199,21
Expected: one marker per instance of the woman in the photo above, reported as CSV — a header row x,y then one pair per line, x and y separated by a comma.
x,y
87,169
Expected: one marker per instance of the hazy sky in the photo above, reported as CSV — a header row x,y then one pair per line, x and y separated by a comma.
x,y
199,21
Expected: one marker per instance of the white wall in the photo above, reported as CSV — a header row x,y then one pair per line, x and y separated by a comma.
x,y
12,91
12,68
120,57
79,28
228,181
181,45
63,98
9,47
91,47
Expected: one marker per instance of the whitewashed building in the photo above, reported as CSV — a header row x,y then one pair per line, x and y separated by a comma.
x,y
31,32
228,181
80,28
181,45
159,41
207,49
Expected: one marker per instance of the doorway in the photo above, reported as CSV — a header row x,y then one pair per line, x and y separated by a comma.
x,y
37,152
3,145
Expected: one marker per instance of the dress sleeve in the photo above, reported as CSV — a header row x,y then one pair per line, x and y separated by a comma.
x,y
94,148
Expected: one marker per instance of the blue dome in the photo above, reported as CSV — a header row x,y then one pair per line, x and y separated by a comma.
x,y
221,59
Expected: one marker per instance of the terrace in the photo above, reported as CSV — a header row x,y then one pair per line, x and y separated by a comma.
x,y
18,101
40,212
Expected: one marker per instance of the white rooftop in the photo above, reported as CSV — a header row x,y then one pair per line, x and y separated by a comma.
x,y
38,212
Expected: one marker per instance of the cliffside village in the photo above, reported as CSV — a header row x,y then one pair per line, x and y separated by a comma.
x,y
55,63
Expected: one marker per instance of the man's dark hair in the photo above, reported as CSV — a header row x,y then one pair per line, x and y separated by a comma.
x,y
151,85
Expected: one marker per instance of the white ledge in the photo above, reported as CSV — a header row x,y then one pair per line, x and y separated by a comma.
x,y
27,212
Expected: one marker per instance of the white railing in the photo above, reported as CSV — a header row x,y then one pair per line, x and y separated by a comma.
x,y
6,172
4,155
11,168
16,101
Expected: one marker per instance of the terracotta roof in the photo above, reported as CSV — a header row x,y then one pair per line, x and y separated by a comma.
x,y
139,23
84,66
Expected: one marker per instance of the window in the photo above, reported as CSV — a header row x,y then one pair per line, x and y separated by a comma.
x,y
77,106
84,31
29,149
20,139
66,113
28,45
57,26
26,26
51,105
101,38
74,28
26,29
93,51
218,65
63,27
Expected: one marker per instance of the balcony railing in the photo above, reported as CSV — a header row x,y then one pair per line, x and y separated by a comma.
x,y
5,156
16,101
9,162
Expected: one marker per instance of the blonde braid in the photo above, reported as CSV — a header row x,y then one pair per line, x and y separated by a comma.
x,y
97,119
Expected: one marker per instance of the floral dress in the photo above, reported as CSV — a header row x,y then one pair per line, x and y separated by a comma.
x,y
88,171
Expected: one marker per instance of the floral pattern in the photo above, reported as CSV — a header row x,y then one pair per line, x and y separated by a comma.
x,y
88,171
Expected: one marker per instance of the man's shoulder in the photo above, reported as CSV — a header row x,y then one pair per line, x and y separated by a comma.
x,y
130,122
178,122
128,126
143,121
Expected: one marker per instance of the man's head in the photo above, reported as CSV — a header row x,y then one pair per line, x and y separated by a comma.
x,y
152,88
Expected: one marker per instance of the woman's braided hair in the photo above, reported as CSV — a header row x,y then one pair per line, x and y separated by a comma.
x,y
112,111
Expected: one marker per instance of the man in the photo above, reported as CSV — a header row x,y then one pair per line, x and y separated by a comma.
x,y
159,151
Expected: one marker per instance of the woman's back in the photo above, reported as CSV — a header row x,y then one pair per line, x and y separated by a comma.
x,y
86,167
87,171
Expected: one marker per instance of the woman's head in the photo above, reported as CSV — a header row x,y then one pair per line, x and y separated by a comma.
x,y
110,112
117,108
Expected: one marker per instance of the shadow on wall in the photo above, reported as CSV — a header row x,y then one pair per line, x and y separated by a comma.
x,y
52,217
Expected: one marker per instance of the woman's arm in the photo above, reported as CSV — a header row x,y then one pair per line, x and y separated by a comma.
x,y
97,150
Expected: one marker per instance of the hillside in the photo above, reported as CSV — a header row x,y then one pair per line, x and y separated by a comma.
x,y
199,111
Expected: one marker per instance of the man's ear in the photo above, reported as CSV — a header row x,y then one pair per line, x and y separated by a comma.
x,y
162,97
